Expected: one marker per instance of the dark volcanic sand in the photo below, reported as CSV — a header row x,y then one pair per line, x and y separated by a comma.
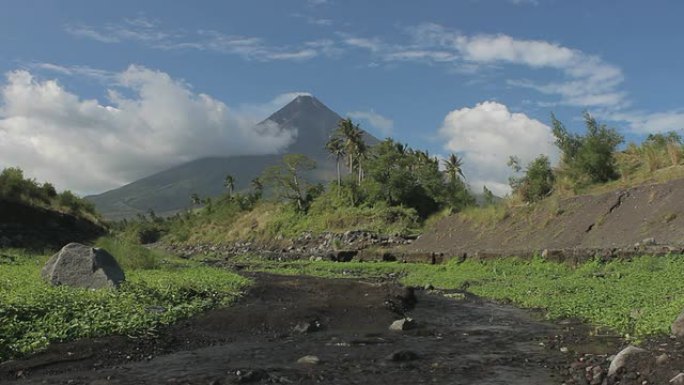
x,y
457,342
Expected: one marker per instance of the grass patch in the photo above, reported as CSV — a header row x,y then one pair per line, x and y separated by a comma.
x,y
157,292
488,215
131,256
636,299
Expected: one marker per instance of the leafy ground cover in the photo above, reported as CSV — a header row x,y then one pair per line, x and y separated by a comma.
x,y
637,298
158,291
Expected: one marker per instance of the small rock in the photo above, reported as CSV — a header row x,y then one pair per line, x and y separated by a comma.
x,y
403,356
596,375
662,359
564,349
648,241
678,326
627,356
402,324
309,360
678,379
251,376
428,287
307,327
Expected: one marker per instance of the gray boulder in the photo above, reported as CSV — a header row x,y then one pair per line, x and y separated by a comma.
x,y
78,265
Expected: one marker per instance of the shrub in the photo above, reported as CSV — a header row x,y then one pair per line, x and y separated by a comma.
x,y
588,158
537,182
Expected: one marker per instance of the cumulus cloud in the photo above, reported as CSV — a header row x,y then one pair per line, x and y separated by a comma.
x,y
150,122
487,135
383,124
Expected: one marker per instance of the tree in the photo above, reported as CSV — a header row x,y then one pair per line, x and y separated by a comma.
x,y
400,176
229,183
354,146
288,181
588,157
454,167
488,196
537,183
335,147
361,158
257,187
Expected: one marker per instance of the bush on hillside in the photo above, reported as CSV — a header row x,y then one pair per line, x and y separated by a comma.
x,y
536,183
15,187
588,158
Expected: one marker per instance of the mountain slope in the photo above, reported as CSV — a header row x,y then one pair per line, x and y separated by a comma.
x,y
169,191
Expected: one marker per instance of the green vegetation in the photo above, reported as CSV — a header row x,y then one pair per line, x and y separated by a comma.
x,y
15,188
158,291
635,298
537,183
388,188
590,158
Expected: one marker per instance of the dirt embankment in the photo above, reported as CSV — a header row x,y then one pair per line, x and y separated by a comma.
x,y
32,227
609,224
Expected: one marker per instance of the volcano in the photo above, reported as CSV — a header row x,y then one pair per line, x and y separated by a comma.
x,y
169,191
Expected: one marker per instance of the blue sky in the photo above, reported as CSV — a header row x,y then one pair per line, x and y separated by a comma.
x,y
98,94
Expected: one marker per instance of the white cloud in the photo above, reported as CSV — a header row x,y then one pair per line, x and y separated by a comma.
x,y
150,33
641,122
100,75
585,80
487,135
89,146
377,121
524,2
91,33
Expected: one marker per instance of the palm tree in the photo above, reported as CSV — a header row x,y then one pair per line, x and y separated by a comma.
x,y
361,156
454,167
355,147
229,183
335,147
352,136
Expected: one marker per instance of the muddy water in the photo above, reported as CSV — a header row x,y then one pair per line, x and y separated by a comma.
x,y
464,341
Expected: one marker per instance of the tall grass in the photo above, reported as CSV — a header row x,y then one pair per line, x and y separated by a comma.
x,y
131,256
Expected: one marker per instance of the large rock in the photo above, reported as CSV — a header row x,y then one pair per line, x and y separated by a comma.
x,y
78,265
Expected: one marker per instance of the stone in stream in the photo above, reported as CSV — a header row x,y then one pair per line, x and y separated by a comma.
x,y
249,376
678,379
627,358
309,360
78,265
662,359
403,356
307,327
403,324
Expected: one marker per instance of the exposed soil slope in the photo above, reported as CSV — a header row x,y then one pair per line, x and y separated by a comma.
x,y
615,220
26,226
